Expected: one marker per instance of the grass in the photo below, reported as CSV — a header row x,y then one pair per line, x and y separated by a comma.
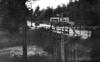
x,y
40,37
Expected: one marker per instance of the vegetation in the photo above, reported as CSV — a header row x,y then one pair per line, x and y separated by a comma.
x,y
14,14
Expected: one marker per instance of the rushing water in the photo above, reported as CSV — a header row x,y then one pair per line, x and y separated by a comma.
x,y
83,33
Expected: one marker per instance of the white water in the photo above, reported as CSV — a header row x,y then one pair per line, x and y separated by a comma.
x,y
83,33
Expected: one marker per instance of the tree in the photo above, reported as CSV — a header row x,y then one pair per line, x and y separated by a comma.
x,y
16,14
92,16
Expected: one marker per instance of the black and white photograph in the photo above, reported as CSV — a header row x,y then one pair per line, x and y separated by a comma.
x,y
49,30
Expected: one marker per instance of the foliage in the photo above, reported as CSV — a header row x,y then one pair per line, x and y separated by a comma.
x,y
16,14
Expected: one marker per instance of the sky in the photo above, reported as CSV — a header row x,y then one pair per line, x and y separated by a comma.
x,y
43,4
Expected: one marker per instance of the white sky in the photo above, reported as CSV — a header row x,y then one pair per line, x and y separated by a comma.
x,y
43,4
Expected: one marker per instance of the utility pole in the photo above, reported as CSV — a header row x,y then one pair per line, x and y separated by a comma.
x,y
81,11
54,21
62,43
31,14
76,58
25,42
62,48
